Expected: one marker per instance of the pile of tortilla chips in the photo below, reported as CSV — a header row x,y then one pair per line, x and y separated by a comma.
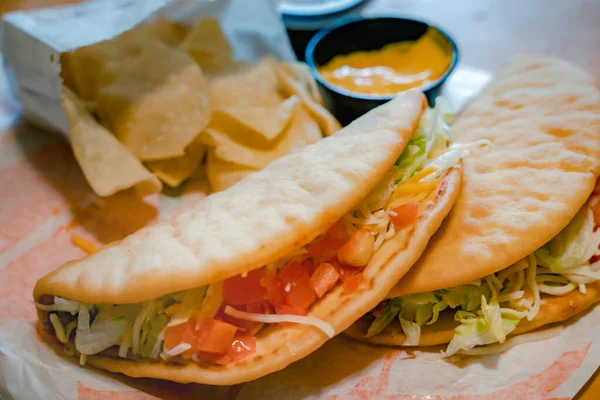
x,y
162,103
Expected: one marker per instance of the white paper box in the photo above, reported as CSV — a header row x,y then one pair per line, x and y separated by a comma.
x,y
32,41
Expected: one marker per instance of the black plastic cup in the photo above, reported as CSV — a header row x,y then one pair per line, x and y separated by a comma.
x,y
360,34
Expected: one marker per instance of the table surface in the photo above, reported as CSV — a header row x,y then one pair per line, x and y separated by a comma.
x,y
488,32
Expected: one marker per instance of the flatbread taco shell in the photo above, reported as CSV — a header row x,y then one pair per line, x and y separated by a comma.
x,y
257,221
542,117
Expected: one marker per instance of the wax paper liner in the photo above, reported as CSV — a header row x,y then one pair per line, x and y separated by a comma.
x,y
45,199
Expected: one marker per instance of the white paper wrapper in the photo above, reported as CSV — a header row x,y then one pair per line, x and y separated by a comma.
x,y
33,41
44,198
342,369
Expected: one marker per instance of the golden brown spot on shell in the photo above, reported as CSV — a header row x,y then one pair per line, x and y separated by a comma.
x,y
559,131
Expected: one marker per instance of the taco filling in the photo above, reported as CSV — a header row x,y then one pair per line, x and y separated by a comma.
x,y
218,323
490,308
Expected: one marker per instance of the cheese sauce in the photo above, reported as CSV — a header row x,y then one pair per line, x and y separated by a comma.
x,y
392,69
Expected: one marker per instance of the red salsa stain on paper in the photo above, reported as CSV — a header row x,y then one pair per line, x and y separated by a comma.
x,y
539,386
86,393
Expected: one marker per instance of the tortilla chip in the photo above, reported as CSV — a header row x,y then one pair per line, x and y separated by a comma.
x,y
168,32
107,165
209,47
88,69
543,118
329,125
242,150
173,171
301,74
200,171
255,85
157,104
222,174
259,123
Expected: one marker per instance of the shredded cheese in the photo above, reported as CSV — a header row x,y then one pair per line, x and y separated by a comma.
x,y
416,187
212,301
137,326
420,175
278,318
58,328
60,304
177,350
158,344
124,348
191,300
69,329
83,243
409,199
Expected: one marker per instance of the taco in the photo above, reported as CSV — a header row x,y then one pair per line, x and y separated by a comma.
x,y
265,272
520,249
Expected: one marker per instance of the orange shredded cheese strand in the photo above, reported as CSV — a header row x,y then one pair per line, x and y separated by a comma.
x,y
415,187
420,175
404,200
83,243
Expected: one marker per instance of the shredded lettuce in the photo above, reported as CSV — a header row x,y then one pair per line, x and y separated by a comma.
x,y
155,324
569,252
490,308
107,329
412,158
190,301
391,309
466,297
60,304
412,331
475,331
451,157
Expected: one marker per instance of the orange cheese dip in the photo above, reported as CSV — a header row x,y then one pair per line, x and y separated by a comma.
x,y
395,68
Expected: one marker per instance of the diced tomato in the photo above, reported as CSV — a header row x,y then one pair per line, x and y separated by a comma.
x,y
242,346
296,285
325,248
594,259
346,271
215,358
405,214
264,307
256,308
292,272
358,249
214,336
322,251
353,282
239,290
309,266
285,309
274,288
182,333
324,278
300,293
337,233
248,325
